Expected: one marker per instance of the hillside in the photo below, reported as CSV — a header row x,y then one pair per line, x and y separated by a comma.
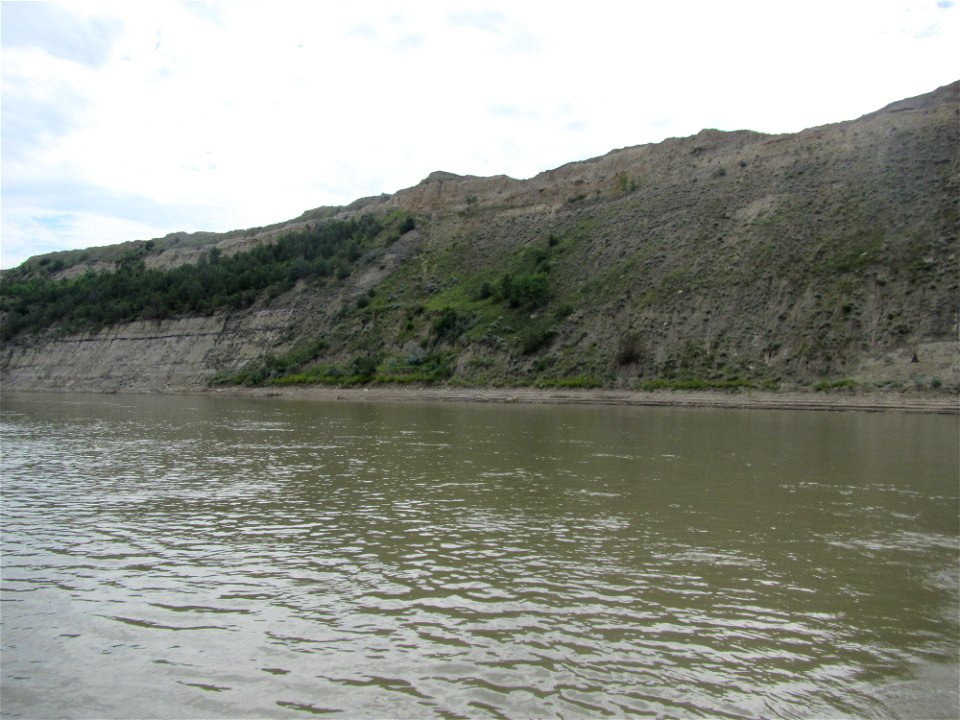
x,y
826,258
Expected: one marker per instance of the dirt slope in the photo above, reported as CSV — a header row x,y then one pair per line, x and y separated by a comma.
x,y
724,259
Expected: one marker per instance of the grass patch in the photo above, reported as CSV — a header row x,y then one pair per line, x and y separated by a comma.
x,y
362,370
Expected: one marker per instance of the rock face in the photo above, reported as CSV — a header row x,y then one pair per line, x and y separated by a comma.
x,y
829,253
142,356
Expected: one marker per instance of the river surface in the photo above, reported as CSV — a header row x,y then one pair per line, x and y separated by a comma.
x,y
187,557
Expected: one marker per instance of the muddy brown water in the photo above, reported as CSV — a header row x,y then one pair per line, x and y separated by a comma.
x,y
231,557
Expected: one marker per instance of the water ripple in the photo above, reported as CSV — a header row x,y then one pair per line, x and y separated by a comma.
x,y
285,560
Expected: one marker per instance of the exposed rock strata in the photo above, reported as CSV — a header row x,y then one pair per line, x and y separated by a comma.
x,y
828,253
165,355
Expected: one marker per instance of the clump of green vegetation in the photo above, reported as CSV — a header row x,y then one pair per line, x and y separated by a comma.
x,y
451,324
536,335
273,366
367,369
630,349
218,282
525,290
626,184
417,368
298,367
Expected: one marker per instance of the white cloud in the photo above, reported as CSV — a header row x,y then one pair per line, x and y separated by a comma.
x,y
34,230
164,116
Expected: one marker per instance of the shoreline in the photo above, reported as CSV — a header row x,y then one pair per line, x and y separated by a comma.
x,y
838,401
742,400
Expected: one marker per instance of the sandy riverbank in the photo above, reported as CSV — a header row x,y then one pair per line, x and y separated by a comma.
x,y
872,402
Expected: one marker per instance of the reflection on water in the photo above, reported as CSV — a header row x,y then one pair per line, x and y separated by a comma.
x,y
211,557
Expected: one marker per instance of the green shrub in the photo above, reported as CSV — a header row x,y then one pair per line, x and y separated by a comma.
x,y
563,311
434,367
534,337
630,349
626,184
364,366
525,290
450,324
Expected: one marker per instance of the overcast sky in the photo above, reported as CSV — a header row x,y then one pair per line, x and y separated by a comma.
x,y
129,120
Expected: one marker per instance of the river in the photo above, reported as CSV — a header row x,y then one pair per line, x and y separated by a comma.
x,y
196,556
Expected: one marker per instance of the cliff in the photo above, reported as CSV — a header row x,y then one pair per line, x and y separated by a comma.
x,y
726,259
